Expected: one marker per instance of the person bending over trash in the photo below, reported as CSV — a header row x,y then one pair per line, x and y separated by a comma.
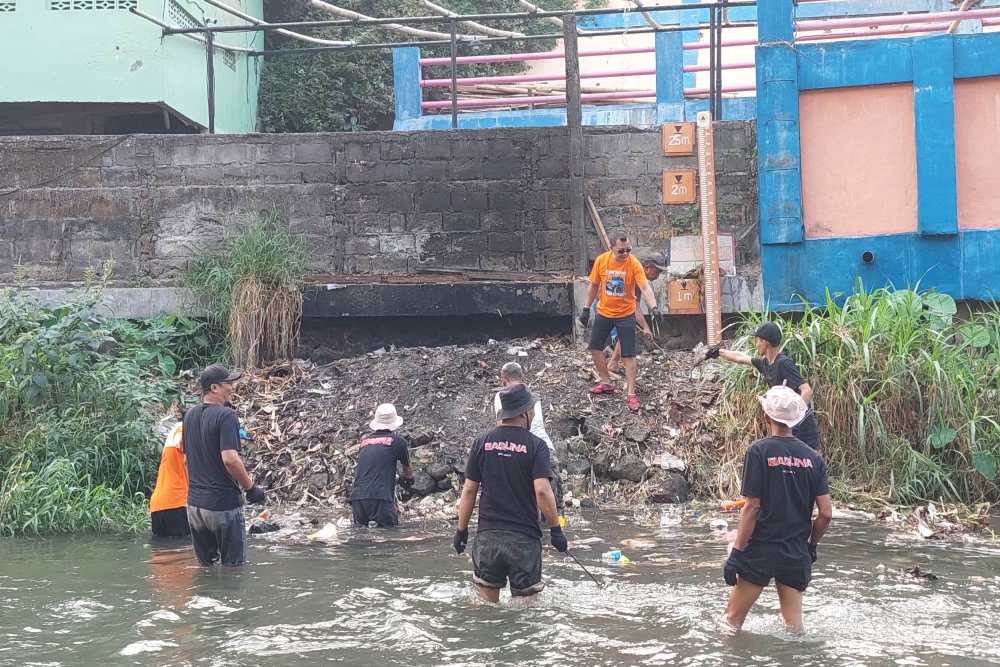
x,y
373,498
216,474
777,369
511,466
168,503
511,374
776,538
613,282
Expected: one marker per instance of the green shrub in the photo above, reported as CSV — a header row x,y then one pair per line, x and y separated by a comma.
x,y
254,288
905,394
79,394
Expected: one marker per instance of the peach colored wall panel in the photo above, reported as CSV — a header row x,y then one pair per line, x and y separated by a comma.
x,y
977,152
859,167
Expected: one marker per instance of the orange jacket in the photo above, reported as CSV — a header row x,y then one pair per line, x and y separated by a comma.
x,y
171,489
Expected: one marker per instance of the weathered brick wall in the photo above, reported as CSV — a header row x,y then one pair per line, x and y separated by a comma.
x,y
367,203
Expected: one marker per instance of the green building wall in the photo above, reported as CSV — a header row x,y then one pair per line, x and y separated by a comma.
x,y
96,51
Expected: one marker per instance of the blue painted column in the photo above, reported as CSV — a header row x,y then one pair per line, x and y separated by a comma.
x,y
669,77
406,80
692,17
934,116
778,154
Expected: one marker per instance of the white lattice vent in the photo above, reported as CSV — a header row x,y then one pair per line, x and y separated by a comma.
x,y
180,17
7,6
79,5
229,58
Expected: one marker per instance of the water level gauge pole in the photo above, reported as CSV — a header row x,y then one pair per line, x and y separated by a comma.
x,y
709,228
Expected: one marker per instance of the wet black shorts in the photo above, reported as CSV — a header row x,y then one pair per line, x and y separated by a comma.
x,y
760,565
218,535
382,512
602,329
502,555
170,523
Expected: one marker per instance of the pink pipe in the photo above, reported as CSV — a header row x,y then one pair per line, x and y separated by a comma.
x,y
891,30
538,99
527,78
518,57
726,89
901,19
586,97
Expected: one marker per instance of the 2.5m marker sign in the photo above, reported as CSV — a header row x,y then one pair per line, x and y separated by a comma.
x,y
678,139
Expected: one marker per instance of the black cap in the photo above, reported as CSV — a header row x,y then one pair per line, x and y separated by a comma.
x,y
770,332
515,401
216,374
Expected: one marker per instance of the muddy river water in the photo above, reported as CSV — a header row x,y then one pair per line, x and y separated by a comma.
x,y
404,598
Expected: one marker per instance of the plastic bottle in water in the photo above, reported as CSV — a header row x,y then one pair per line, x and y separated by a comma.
x,y
614,555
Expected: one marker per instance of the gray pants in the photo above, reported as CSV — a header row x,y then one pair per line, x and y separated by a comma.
x,y
218,535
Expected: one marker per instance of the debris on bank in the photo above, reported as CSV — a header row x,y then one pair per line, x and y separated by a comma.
x,y
304,419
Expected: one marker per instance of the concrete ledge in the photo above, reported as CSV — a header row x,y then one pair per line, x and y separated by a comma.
x,y
128,302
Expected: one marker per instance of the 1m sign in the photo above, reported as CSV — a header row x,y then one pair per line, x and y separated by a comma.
x,y
678,187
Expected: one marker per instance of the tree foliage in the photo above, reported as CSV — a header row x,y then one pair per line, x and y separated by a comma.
x,y
353,90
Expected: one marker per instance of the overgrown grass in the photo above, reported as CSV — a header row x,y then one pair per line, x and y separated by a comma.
x,y
906,395
78,397
254,285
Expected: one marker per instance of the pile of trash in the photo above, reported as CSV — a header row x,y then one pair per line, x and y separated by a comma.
x,y
303,420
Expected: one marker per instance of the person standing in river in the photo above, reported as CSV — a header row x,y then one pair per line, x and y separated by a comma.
x,y
217,478
614,279
511,466
783,479
510,374
373,498
776,369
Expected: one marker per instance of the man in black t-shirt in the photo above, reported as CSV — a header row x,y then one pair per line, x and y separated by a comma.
x,y
777,370
512,467
374,495
217,477
783,479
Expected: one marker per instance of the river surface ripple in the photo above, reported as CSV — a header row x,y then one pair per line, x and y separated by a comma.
x,y
404,598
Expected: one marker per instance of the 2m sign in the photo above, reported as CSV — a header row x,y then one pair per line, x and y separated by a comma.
x,y
678,138
678,187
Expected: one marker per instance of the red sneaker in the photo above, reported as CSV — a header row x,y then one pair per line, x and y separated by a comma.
x,y
602,389
633,402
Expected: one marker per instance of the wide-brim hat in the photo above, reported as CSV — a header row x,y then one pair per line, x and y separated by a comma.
x,y
783,405
386,418
515,401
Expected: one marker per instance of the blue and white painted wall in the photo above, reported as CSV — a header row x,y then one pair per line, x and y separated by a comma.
x,y
920,118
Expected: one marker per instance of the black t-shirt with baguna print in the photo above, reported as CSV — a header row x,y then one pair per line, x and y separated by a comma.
x,y
787,476
506,461
375,478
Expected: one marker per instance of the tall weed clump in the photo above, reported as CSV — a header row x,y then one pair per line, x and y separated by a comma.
x,y
254,286
907,397
79,395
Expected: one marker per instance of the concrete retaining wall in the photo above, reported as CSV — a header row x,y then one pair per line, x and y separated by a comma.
x,y
367,203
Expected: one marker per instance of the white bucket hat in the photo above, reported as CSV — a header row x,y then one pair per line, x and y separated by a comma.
x,y
783,405
386,418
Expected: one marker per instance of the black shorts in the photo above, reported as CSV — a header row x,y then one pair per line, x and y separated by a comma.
x,y
602,329
807,430
170,523
382,512
502,555
760,564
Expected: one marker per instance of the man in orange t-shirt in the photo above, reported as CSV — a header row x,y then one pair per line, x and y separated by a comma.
x,y
613,281
168,504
